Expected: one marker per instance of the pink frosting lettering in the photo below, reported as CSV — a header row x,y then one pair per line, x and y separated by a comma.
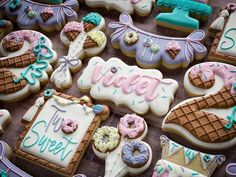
x,y
129,82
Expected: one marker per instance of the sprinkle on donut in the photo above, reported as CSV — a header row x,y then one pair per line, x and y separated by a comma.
x,y
69,126
131,126
106,139
131,38
135,154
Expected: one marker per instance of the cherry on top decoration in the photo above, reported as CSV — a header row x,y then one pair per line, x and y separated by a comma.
x,y
44,15
85,39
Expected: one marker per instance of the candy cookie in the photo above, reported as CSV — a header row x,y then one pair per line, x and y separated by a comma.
x,y
138,89
60,129
29,14
5,119
26,65
177,160
184,14
122,148
209,77
141,7
7,168
5,28
152,50
85,40
223,47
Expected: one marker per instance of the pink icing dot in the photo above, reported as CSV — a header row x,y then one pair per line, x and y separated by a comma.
x,y
72,26
131,125
134,1
69,126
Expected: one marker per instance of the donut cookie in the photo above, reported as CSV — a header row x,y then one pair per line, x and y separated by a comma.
x,y
26,65
184,16
5,28
141,7
138,89
123,155
85,40
209,77
5,119
7,168
29,14
152,50
177,160
43,141
224,31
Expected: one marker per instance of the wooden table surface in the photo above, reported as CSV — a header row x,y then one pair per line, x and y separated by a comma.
x,y
91,165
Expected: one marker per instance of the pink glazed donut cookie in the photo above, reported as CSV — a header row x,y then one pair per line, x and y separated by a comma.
x,y
69,126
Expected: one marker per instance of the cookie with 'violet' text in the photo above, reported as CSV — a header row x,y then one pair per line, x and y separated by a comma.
x,y
85,39
130,86
58,130
151,50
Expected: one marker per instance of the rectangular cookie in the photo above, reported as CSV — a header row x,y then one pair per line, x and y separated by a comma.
x,y
60,129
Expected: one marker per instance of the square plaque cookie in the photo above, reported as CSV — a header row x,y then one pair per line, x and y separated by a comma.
x,y
58,129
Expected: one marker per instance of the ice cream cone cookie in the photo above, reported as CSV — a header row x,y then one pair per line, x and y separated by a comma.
x,y
123,155
46,15
26,65
83,41
177,160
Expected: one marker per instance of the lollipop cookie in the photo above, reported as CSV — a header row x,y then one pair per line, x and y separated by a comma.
x,y
85,40
123,155
26,65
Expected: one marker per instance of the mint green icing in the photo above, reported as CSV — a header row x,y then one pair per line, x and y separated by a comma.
x,y
93,18
232,119
187,5
50,1
230,40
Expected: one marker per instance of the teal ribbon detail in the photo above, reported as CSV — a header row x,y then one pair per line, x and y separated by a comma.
x,y
40,64
231,119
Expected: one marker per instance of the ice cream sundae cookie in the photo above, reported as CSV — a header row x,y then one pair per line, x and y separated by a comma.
x,y
7,168
141,7
26,65
123,155
150,50
177,160
223,29
184,16
44,140
138,89
85,40
5,119
49,16
5,28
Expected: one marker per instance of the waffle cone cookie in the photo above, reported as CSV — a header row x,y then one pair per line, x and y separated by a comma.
x,y
81,44
177,160
88,26
23,73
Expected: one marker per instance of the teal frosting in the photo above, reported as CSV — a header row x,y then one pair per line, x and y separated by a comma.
x,y
15,4
93,18
3,23
232,119
50,1
187,5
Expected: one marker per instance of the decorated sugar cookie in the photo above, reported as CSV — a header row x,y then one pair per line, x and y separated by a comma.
x,y
122,148
138,89
150,50
224,31
231,170
184,16
141,7
60,129
85,40
26,65
5,119
5,28
177,160
40,14
210,77
7,168
207,121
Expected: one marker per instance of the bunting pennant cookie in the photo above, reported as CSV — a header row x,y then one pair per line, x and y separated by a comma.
x,y
150,50
138,89
207,121
26,65
85,40
58,130
122,148
42,14
177,160
141,7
